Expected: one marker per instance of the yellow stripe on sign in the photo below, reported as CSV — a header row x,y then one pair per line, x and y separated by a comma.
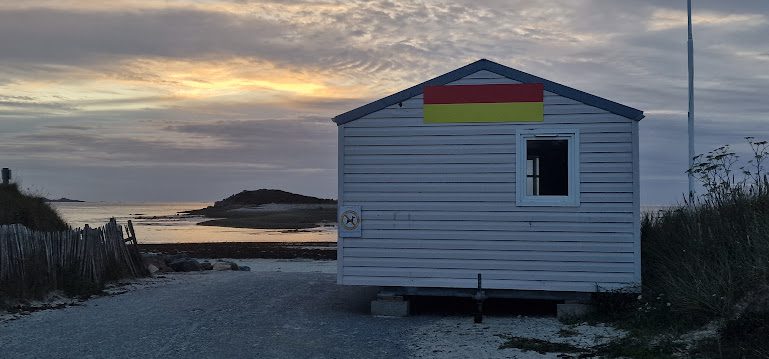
x,y
485,112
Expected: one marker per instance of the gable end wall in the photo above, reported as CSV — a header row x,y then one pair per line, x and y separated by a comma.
x,y
438,202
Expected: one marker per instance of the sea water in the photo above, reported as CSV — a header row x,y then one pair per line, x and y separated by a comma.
x,y
162,223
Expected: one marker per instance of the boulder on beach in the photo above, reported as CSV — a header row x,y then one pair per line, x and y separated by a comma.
x,y
186,265
225,265
206,265
155,263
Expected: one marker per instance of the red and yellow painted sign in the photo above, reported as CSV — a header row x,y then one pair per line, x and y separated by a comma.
x,y
484,103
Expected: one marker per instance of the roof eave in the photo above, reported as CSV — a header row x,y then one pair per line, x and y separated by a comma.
x,y
483,64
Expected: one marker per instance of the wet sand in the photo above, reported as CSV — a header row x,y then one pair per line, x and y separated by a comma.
x,y
241,250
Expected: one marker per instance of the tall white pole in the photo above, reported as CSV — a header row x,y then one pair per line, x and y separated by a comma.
x,y
690,45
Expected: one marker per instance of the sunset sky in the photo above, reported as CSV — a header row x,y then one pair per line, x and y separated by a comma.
x,y
173,100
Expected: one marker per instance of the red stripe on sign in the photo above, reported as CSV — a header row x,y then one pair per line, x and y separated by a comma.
x,y
492,93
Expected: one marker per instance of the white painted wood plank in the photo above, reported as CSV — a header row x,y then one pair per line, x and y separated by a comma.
x,y
603,187
442,149
636,205
472,178
483,81
489,139
430,197
340,241
497,235
413,118
453,130
486,264
472,197
484,74
484,187
434,168
468,244
431,149
393,187
491,255
490,284
551,109
479,226
488,274
583,217
589,167
585,167
429,159
482,158
490,207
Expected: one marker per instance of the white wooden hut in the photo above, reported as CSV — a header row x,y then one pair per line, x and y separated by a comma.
x,y
493,171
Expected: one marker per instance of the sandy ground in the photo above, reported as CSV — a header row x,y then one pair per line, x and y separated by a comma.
x,y
458,337
280,309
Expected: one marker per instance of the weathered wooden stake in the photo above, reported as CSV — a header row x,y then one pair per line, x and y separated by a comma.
x,y
6,176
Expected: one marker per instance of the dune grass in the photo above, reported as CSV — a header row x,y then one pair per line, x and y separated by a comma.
x,y
705,261
17,207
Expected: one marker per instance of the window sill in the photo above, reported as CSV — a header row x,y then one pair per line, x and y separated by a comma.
x,y
548,202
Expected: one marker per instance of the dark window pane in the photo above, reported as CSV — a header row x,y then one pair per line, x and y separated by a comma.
x,y
550,175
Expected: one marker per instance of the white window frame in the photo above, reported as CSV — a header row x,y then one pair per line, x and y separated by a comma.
x,y
522,199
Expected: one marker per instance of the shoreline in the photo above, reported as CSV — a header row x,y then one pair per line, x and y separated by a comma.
x,y
246,250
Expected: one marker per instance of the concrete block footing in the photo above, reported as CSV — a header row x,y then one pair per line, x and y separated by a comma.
x,y
573,310
390,307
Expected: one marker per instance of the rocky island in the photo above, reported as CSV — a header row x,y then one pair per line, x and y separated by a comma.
x,y
269,209
63,200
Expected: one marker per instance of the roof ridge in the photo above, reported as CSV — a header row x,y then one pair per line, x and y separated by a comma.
x,y
499,69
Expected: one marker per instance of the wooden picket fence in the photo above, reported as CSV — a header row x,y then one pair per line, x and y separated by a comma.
x,y
77,261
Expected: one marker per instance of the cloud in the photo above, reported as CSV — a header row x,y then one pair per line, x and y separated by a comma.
x,y
247,88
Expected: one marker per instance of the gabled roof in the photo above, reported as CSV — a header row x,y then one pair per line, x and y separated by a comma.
x,y
503,70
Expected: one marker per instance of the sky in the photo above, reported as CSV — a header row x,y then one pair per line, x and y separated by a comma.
x,y
193,100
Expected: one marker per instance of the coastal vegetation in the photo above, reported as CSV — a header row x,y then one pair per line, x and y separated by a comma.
x,y
705,269
269,209
40,253
17,207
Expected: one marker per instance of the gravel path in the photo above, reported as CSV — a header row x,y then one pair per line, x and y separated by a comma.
x,y
298,312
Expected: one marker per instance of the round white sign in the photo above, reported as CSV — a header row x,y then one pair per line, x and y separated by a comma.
x,y
350,220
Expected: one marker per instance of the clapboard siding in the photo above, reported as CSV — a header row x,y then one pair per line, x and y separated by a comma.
x,y
488,139
472,283
413,118
476,196
416,234
564,109
526,245
486,264
438,202
583,217
517,255
440,149
472,158
585,167
569,276
481,187
471,177
463,130
487,206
